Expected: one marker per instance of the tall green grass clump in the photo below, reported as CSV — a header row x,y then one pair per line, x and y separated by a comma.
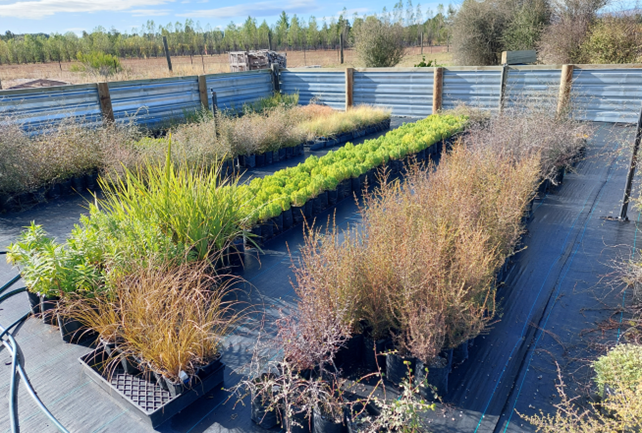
x,y
158,213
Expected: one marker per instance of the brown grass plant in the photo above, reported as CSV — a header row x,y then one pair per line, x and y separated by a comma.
x,y
60,151
421,268
170,318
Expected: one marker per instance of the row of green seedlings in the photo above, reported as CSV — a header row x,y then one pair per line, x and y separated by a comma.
x,y
165,216
293,194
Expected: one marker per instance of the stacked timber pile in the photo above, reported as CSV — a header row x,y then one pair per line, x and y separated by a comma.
x,y
252,60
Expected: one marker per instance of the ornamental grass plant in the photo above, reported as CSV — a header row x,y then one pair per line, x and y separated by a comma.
x,y
171,318
60,151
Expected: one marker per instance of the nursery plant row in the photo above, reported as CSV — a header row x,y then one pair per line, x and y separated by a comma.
x,y
291,195
67,158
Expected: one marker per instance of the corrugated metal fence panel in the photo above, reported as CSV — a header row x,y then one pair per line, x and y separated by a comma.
x,y
474,88
235,89
152,102
532,87
326,87
38,108
607,95
406,93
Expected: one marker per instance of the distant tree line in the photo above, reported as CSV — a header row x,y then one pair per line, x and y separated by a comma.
x,y
190,38
561,31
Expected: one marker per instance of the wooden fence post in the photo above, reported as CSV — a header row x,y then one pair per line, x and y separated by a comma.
x,y
104,99
566,81
169,59
349,88
276,83
202,91
502,87
437,90
341,45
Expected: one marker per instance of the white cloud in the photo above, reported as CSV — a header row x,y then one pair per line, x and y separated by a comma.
x,y
150,12
259,9
37,9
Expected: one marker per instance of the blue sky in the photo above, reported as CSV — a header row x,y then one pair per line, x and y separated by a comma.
x,y
32,16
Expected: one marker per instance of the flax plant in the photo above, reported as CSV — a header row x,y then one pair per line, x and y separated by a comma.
x,y
198,209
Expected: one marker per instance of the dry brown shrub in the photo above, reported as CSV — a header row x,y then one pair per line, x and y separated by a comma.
x,y
422,266
520,133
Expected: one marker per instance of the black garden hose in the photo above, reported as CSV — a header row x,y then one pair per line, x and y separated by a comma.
x,y
16,366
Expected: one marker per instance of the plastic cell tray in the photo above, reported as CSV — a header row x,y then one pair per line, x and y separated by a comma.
x,y
143,394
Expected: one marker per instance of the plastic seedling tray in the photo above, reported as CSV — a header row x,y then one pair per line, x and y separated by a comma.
x,y
142,394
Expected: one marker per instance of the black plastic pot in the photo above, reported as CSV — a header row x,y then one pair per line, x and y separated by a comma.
x,y
108,347
260,159
210,368
78,183
39,195
175,389
70,329
369,353
308,209
34,302
54,192
350,356
297,214
281,154
91,180
437,378
275,156
66,187
288,220
236,256
47,307
260,414
129,365
344,189
277,223
356,186
288,152
267,230
300,149
460,353
323,424
320,203
268,158
421,155
333,197
249,161
160,380
396,369
257,233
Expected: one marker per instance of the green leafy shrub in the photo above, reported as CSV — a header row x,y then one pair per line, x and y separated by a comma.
x,y
620,368
99,63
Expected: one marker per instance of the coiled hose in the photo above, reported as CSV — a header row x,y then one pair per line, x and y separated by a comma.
x,y
16,364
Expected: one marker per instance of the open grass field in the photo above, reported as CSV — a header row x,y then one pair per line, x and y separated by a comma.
x,y
12,75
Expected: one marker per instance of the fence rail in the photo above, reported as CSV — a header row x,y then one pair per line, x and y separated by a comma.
x,y
607,93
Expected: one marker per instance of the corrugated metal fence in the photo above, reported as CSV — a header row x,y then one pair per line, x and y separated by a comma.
x,y
405,93
608,93
147,102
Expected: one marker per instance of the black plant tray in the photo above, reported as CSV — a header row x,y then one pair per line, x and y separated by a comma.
x,y
142,394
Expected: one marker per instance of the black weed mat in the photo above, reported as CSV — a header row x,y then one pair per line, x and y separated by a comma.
x,y
554,301
550,308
